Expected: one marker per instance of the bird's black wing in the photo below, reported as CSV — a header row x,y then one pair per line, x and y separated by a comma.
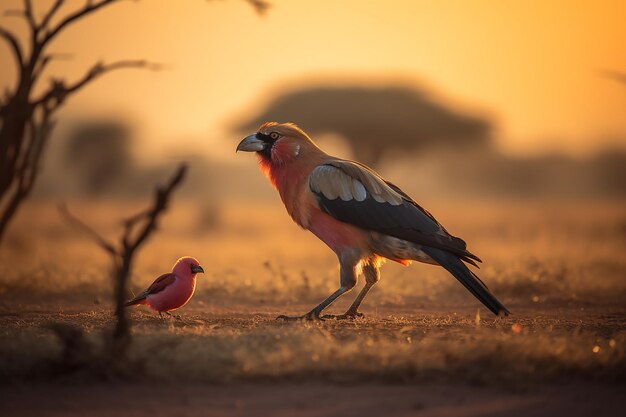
x,y
354,194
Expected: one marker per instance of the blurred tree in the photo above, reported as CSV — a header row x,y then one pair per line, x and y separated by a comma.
x,y
99,152
376,120
26,120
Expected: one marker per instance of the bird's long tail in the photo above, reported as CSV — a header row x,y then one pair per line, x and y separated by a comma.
x,y
466,277
135,301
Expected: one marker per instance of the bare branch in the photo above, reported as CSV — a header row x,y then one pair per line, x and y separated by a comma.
x,y
41,65
130,222
39,133
59,90
30,17
15,46
150,216
43,62
24,158
90,7
80,225
123,255
161,200
23,134
46,19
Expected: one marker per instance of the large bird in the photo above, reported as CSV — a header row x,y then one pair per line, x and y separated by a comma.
x,y
362,217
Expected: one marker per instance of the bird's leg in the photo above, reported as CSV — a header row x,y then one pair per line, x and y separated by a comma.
x,y
372,276
315,313
348,272
177,317
161,315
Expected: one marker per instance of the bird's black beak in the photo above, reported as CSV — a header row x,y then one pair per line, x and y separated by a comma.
x,y
251,144
196,269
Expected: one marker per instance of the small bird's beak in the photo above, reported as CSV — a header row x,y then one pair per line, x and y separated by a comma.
x,y
251,144
197,269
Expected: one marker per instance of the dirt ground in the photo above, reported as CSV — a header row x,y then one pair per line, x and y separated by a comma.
x,y
425,347
391,363
312,400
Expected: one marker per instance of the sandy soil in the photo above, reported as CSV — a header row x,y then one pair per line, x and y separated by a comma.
x,y
226,364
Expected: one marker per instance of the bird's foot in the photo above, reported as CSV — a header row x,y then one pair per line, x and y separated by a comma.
x,y
348,315
176,316
310,316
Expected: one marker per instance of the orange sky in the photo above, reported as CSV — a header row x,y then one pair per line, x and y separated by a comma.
x,y
532,65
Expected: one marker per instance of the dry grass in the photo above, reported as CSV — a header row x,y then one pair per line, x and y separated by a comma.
x,y
558,267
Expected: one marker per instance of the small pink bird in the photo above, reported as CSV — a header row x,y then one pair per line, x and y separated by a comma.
x,y
172,290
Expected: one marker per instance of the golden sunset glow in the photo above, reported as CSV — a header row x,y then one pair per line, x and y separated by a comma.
x,y
312,207
536,68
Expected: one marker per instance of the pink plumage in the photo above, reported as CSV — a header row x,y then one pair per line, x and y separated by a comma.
x,y
172,290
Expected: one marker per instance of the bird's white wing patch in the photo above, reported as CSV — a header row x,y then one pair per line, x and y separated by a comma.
x,y
351,182
358,190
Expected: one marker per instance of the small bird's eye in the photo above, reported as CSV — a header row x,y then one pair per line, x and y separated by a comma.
x,y
274,135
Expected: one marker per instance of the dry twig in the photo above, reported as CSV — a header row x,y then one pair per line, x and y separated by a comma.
x,y
137,230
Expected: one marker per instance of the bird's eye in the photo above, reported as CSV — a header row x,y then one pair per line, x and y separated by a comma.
x,y
274,135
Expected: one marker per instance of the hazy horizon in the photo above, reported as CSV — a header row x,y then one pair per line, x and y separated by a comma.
x,y
534,69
